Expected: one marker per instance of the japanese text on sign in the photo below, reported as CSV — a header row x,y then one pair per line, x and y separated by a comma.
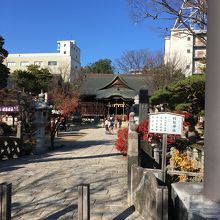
x,y
166,123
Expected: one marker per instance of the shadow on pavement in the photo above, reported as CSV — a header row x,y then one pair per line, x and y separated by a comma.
x,y
80,144
125,213
60,213
78,158
13,165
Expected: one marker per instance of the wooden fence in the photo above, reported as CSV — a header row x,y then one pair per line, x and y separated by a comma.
x,y
151,159
10,147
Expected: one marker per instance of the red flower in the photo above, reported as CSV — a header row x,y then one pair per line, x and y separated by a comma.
x,y
121,143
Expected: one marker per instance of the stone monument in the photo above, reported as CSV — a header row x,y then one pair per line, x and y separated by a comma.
x,y
143,104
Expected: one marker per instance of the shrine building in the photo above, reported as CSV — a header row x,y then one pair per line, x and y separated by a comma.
x,y
108,94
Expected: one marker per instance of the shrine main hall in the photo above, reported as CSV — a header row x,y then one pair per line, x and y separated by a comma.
x,y
107,94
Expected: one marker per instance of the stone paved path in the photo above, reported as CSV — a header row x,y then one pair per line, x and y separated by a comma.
x,y
45,186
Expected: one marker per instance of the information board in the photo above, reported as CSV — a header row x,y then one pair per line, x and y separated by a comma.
x,y
166,123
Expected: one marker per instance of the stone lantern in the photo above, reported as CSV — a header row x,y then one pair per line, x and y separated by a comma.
x,y
41,114
136,100
135,109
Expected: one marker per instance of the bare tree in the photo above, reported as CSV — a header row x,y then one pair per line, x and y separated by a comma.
x,y
187,13
165,75
64,71
176,61
168,73
138,60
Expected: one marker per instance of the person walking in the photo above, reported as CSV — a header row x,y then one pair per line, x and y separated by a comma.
x,y
106,126
111,126
119,122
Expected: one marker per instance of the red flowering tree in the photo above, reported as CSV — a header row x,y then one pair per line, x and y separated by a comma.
x,y
152,137
65,102
122,140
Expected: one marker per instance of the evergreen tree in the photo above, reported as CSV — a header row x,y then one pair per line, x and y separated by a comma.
x,y
4,71
33,80
100,66
187,94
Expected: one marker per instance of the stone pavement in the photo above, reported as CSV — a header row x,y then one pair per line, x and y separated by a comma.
x,y
45,186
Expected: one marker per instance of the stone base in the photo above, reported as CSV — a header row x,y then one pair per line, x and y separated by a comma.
x,y
132,160
40,149
149,195
190,203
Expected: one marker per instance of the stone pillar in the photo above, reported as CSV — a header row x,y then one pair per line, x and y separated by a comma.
x,y
135,109
5,201
19,130
202,161
143,104
132,150
212,106
84,202
171,159
195,154
157,154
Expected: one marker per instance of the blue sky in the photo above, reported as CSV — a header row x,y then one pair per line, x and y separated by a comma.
x,y
102,28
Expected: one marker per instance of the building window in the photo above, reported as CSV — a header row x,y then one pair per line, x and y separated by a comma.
x,y
199,42
58,46
64,52
200,54
75,67
11,64
76,57
38,63
64,45
52,63
188,38
24,63
188,50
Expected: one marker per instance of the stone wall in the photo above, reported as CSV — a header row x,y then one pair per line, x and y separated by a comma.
x,y
150,157
149,195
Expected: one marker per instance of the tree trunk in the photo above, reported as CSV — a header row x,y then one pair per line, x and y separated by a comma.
x,y
54,126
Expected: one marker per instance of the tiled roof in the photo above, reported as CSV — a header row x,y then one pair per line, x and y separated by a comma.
x,y
124,92
93,83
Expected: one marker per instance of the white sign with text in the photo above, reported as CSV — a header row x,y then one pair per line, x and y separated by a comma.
x,y
166,123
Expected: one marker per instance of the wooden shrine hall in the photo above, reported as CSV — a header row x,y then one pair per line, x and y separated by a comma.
x,y
107,94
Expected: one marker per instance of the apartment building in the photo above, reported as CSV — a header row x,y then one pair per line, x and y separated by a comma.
x,y
186,51
65,62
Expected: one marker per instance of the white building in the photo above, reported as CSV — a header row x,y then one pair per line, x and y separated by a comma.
x,y
185,51
66,62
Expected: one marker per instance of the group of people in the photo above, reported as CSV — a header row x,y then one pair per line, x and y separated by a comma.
x,y
111,122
